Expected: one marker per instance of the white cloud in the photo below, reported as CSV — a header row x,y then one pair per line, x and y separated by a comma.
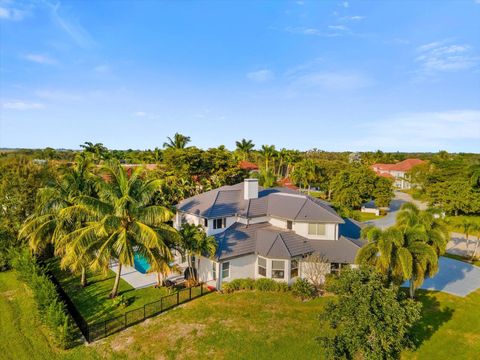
x,y
40,59
71,27
421,130
311,31
338,27
441,56
353,18
334,81
260,76
140,114
345,4
12,14
22,105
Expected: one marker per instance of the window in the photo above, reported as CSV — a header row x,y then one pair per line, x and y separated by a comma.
x,y
289,225
219,223
316,229
294,268
225,270
214,270
278,269
262,266
205,222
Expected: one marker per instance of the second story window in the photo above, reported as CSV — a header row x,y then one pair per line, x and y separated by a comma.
x,y
316,229
205,222
219,223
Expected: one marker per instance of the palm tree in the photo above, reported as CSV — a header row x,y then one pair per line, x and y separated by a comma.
x,y
467,225
123,223
179,141
268,152
407,251
304,173
195,242
98,150
48,224
245,147
476,230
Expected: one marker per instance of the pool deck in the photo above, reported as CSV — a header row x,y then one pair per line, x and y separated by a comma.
x,y
134,277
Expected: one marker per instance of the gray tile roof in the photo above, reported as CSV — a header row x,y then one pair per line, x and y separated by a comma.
x,y
277,202
272,242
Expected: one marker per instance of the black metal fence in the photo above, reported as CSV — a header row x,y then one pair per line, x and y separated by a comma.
x,y
98,330
101,329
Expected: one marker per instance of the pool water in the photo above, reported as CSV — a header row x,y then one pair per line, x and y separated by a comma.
x,y
141,264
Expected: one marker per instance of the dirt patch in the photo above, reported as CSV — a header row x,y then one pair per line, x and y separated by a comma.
x,y
9,295
122,343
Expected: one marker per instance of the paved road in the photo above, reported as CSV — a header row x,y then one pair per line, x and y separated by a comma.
x,y
398,200
454,277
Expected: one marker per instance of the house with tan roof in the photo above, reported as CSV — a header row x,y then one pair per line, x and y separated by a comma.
x,y
398,172
266,233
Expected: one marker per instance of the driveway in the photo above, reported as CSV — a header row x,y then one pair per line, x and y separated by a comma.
x,y
389,220
454,277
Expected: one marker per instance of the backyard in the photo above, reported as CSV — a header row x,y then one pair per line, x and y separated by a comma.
x,y
266,325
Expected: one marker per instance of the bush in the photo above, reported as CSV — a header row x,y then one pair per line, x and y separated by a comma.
x,y
259,284
266,285
50,306
303,289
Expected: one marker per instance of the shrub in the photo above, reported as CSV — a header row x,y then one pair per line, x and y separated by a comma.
x,y
266,285
247,284
282,286
50,306
303,289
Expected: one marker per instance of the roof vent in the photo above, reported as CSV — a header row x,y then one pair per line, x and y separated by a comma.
x,y
250,189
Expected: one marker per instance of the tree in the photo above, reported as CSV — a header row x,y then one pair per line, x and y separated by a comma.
x,y
268,153
98,150
369,320
266,178
476,230
315,268
383,192
122,222
195,242
305,173
407,251
179,141
245,147
354,186
47,225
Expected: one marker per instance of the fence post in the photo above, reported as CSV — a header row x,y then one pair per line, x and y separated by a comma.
x,y
144,316
125,320
161,304
105,328
190,296
178,297
201,289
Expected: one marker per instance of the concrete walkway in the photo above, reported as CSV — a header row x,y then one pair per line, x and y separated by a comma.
x,y
454,277
134,277
458,245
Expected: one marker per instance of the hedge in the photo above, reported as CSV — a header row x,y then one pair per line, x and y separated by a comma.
x,y
50,307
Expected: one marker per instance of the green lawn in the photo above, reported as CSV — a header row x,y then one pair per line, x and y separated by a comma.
x,y
362,216
93,301
243,325
455,222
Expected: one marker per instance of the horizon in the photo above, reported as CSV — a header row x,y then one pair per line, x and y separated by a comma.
x,y
340,76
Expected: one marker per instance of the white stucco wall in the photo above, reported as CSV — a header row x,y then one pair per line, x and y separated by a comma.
x,y
331,231
240,268
280,223
211,231
254,220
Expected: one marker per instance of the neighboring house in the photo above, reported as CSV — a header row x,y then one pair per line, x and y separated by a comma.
x,y
248,166
266,232
286,182
398,172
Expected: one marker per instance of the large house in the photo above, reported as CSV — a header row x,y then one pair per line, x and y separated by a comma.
x,y
265,233
398,172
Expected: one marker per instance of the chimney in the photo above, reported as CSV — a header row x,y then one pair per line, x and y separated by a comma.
x,y
250,189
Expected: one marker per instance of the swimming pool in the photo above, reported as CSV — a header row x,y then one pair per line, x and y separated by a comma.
x,y
141,264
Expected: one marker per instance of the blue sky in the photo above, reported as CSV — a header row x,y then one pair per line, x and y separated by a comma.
x,y
332,75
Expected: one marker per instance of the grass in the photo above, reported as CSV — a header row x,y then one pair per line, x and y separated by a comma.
x,y
245,325
454,223
363,216
93,301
